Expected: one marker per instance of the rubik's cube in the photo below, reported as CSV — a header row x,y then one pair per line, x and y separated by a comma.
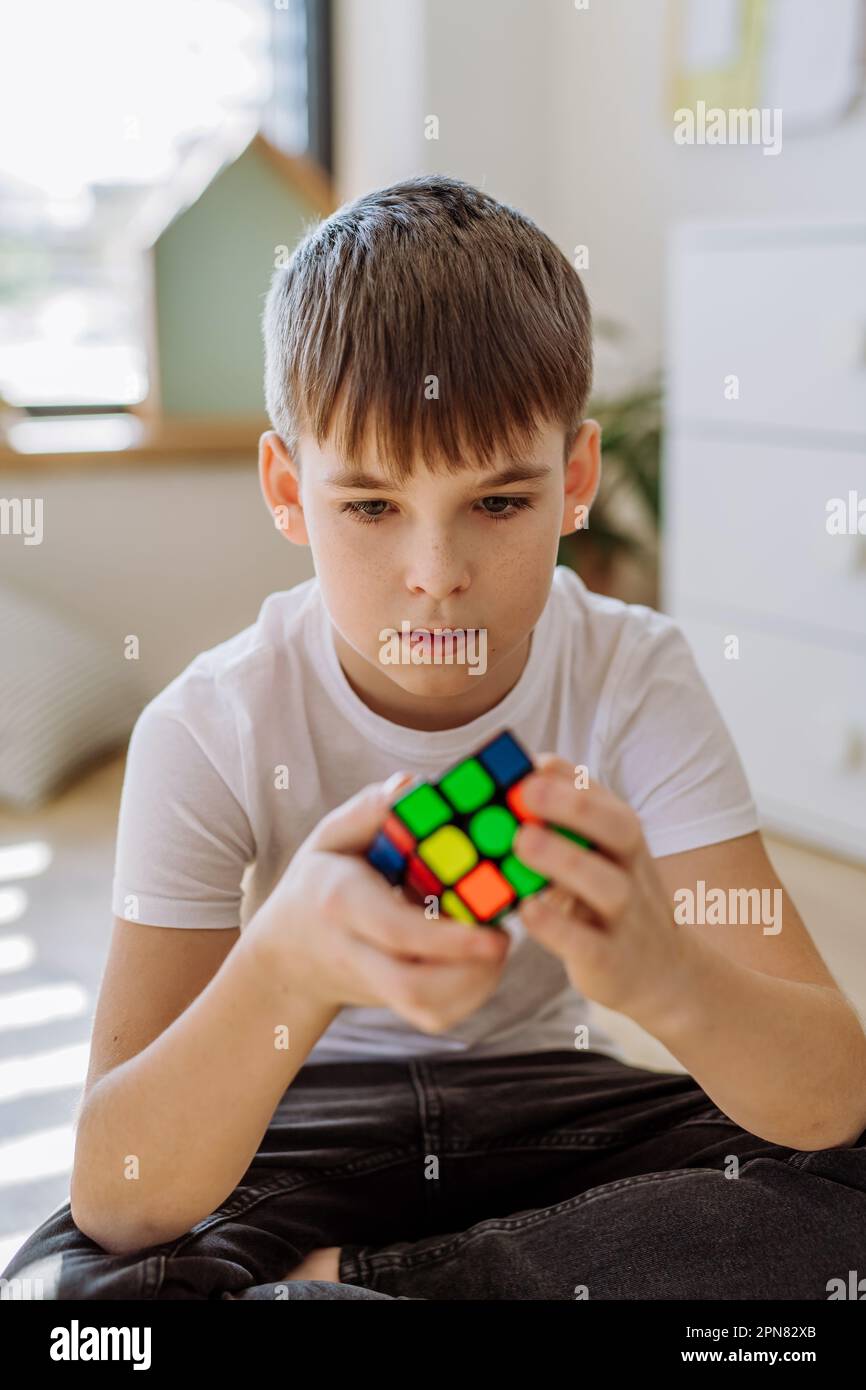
x,y
453,838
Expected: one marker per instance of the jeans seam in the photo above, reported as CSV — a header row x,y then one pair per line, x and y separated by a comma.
x,y
351,1268
601,1140
430,1110
375,1264
797,1158
153,1273
716,1120
800,1158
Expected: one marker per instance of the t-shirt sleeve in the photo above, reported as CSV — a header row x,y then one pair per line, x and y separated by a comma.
x,y
183,838
667,750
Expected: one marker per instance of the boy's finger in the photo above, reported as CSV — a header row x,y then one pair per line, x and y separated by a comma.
x,y
388,920
352,826
600,883
596,813
552,762
388,976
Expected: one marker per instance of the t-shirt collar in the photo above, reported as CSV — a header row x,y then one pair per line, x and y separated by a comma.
x,y
439,746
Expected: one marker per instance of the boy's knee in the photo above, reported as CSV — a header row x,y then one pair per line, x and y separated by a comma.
x,y
58,1262
76,1277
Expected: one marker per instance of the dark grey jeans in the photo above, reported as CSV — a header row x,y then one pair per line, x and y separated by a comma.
x,y
552,1175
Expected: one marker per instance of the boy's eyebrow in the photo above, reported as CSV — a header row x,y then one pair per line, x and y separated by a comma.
x,y
519,471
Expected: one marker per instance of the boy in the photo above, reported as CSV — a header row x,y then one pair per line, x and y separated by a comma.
x,y
347,1099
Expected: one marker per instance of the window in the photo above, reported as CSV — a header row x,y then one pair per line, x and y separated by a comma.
x,y
102,105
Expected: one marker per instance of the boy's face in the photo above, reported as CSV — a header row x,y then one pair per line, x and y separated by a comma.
x,y
470,552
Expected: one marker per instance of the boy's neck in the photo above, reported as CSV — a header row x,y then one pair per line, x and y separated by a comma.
x,y
427,713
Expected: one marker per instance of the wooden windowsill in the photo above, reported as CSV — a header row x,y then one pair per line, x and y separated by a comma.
x,y
75,443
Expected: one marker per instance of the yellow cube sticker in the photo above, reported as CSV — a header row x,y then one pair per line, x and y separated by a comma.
x,y
449,853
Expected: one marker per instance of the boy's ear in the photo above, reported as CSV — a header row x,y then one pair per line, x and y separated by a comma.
x,y
582,477
280,484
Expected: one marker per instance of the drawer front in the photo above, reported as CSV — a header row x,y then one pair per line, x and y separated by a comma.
x,y
746,529
798,717
789,321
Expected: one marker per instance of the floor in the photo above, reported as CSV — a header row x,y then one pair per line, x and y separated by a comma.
x,y
55,919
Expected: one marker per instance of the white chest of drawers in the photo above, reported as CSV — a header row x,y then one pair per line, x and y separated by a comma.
x,y
765,426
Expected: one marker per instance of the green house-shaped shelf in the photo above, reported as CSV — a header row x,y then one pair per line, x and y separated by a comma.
x,y
210,264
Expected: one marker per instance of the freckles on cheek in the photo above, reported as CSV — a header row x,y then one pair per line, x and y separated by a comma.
x,y
340,549
519,569
350,574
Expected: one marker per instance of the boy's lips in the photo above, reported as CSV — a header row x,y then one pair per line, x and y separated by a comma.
x,y
437,631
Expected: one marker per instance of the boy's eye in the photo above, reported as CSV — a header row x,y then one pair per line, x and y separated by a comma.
x,y
512,506
517,504
357,509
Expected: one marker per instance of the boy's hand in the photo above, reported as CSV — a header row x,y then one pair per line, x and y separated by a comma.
x,y
339,930
606,912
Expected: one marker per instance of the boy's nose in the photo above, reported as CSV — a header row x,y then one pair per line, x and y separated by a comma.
x,y
440,579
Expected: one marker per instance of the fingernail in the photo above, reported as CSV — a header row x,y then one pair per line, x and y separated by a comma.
x,y
395,781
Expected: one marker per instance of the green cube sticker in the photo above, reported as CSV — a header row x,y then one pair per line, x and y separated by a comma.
x,y
493,830
422,809
522,879
468,786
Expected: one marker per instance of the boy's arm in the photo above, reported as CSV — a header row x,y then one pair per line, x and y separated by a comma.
x,y
753,1014
164,1136
757,1018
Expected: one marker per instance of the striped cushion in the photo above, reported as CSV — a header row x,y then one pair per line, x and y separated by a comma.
x,y
66,695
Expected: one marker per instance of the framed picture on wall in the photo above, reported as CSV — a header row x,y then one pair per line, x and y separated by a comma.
x,y
806,60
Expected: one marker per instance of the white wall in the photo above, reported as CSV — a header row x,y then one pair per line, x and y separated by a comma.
x,y
479,67
182,557
617,175
378,93
563,112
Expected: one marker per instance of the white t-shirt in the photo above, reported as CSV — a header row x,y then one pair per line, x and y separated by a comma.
x,y
607,684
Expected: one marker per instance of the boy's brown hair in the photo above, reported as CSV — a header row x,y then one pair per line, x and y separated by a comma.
x,y
429,277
